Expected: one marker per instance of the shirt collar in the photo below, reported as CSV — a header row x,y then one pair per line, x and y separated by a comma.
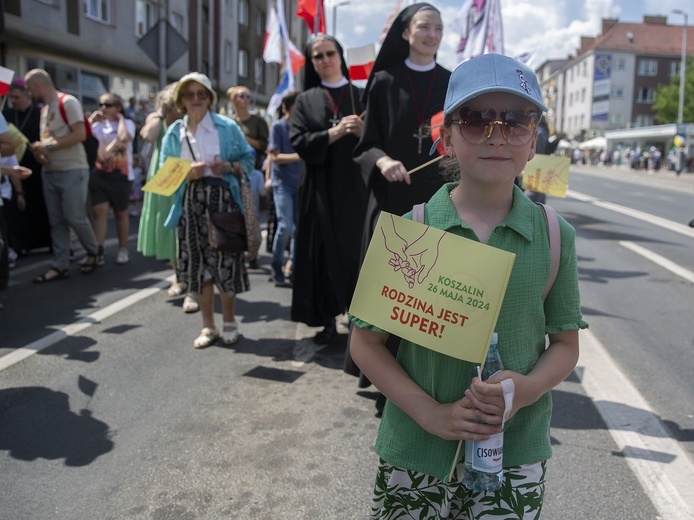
x,y
420,68
520,218
339,83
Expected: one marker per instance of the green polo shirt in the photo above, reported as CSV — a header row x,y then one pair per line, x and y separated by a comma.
x,y
522,326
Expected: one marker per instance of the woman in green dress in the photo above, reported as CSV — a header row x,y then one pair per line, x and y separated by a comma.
x,y
153,238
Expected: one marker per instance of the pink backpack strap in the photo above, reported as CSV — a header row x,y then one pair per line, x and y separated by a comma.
x,y
554,244
418,213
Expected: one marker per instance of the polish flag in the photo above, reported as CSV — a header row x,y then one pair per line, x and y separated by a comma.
x,y
275,40
308,9
6,76
292,60
361,61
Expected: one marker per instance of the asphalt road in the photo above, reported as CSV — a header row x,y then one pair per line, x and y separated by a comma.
x,y
122,418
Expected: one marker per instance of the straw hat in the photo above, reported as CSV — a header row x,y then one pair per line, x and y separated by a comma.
x,y
198,78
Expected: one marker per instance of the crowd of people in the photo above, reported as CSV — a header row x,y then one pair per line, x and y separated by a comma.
x,y
335,157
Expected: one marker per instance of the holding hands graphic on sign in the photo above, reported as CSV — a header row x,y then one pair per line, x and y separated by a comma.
x,y
414,259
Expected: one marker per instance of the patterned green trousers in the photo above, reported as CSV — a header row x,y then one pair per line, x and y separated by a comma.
x,y
401,493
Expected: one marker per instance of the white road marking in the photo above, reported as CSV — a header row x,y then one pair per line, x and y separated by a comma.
x,y
659,260
73,328
657,460
640,215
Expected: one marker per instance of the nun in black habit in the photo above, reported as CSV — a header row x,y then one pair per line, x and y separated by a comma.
x,y
405,88
325,127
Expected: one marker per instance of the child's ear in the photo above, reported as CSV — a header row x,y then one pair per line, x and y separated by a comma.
x,y
447,142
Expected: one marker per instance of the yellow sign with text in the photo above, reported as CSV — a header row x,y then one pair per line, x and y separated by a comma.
x,y
431,287
547,174
169,177
19,140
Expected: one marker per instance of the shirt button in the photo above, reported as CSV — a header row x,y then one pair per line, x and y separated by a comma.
x,y
497,231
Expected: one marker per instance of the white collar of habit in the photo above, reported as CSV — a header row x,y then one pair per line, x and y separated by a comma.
x,y
340,83
420,68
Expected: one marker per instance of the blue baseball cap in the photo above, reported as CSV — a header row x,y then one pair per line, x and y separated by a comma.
x,y
491,73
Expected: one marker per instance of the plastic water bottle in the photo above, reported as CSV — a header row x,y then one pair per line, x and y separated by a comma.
x,y
483,466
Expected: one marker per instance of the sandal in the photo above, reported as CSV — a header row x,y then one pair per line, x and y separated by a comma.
x,y
190,303
52,275
230,333
90,264
207,336
175,290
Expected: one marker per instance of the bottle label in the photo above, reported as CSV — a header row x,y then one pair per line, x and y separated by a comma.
x,y
487,456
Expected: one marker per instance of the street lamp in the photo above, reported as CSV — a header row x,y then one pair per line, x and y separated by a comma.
x,y
683,64
335,6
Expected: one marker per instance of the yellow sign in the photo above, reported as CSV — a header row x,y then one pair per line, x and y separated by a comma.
x,y
433,288
547,174
19,140
169,177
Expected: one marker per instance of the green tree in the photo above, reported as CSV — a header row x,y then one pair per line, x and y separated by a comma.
x,y
667,98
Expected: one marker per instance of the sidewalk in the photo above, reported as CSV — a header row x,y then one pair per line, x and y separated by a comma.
x,y
661,178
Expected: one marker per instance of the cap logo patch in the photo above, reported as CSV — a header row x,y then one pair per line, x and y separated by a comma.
x,y
523,83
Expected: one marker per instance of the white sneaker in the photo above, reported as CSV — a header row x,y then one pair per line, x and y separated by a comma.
x,y
123,256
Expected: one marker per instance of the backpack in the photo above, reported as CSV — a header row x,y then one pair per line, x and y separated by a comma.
x,y
91,143
553,233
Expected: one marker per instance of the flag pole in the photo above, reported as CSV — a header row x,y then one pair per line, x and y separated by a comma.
x,y
316,20
435,159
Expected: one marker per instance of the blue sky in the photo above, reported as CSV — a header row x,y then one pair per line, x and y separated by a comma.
x,y
551,27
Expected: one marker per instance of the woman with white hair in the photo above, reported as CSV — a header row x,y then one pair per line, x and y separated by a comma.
x,y
221,160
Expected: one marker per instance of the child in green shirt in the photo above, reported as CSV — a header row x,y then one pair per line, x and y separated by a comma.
x,y
491,113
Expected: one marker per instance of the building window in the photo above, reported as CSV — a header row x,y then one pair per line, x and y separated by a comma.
x,y
643,120
620,64
617,119
645,95
260,23
571,99
177,22
674,68
227,56
585,69
618,92
243,63
648,68
583,95
259,71
228,8
145,17
243,13
98,9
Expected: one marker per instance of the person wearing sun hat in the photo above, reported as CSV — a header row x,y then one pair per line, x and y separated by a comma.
x,y
220,160
492,107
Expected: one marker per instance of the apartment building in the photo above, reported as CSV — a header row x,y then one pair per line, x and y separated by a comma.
x,y
94,46
611,82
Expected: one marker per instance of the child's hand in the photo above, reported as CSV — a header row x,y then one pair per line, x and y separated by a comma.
x,y
458,421
487,397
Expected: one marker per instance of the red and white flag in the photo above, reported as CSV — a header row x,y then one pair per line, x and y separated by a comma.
x,y
275,42
291,58
481,32
399,6
313,12
361,61
6,76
